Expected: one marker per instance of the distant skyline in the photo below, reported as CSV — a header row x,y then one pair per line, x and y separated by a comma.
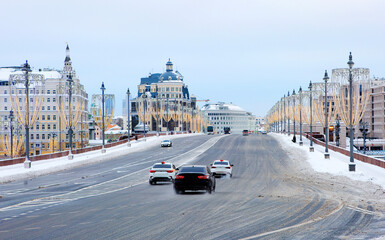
x,y
249,53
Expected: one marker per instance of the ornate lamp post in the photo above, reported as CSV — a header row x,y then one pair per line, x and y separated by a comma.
x,y
311,148
300,116
144,96
294,111
288,117
128,118
103,127
352,165
284,113
70,131
326,78
11,116
27,69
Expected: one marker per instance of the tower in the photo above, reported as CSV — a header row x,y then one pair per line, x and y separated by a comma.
x,y
68,65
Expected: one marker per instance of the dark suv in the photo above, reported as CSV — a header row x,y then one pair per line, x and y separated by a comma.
x,y
194,177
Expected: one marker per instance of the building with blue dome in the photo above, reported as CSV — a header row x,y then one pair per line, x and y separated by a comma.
x,y
164,103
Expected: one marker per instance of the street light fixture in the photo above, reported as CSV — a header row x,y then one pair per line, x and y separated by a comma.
x,y
352,165
300,116
70,131
288,117
11,117
311,148
294,112
103,127
144,96
284,113
326,78
128,118
27,69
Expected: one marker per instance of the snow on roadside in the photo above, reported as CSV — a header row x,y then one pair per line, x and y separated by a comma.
x,y
43,167
336,165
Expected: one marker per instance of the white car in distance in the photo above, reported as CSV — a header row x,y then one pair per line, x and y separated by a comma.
x,y
166,143
222,167
162,172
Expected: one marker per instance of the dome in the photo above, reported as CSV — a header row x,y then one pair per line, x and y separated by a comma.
x,y
170,74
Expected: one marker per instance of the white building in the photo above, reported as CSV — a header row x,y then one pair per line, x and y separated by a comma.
x,y
49,133
222,115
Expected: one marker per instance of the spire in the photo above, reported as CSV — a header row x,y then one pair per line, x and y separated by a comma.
x,y
67,59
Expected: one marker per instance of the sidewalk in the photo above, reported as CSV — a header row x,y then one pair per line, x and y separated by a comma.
x,y
336,165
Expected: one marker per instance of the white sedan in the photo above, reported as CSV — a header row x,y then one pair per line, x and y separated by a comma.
x,y
222,167
166,143
162,172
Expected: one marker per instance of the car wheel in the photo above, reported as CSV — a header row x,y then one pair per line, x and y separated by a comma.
x,y
231,175
209,190
177,191
151,182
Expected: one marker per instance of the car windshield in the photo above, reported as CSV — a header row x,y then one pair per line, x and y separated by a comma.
x,y
192,170
162,166
166,140
221,163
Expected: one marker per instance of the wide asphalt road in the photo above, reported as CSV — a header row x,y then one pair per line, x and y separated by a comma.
x,y
113,200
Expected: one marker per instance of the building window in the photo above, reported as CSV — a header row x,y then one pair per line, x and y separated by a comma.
x,y
43,136
54,126
37,126
53,117
43,108
5,108
48,99
48,91
5,99
43,145
53,99
54,107
37,136
43,126
53,91
31,136
49,126
42,117
49,108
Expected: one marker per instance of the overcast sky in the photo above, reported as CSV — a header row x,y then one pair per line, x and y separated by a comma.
x,y
247,52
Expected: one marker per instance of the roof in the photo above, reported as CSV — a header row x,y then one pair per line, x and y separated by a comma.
x,y
48,73
222,106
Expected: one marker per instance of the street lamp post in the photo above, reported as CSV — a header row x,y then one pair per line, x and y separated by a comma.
x,y
144,96
103,128
27,69
128,118
326,78
11,116
70,131
53,142
300,116
284,113
294,111
288,117
352,165
311,148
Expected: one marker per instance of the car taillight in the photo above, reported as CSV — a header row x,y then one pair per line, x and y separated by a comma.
x,y
204,177
152,171
228,167
179,177
213,167
170,171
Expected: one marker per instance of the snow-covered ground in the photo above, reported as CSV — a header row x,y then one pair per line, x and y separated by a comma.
x,y
43,167
336,165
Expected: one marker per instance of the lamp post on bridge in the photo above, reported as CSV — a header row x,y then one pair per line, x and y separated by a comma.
x,y
311,148
326,78
352,165
128,118
11,116
300,116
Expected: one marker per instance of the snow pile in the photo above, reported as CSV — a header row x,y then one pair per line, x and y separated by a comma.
x,y
338,164
43,167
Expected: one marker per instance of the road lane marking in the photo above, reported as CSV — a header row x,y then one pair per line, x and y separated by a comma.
x,y
60,225
295,226
32,228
